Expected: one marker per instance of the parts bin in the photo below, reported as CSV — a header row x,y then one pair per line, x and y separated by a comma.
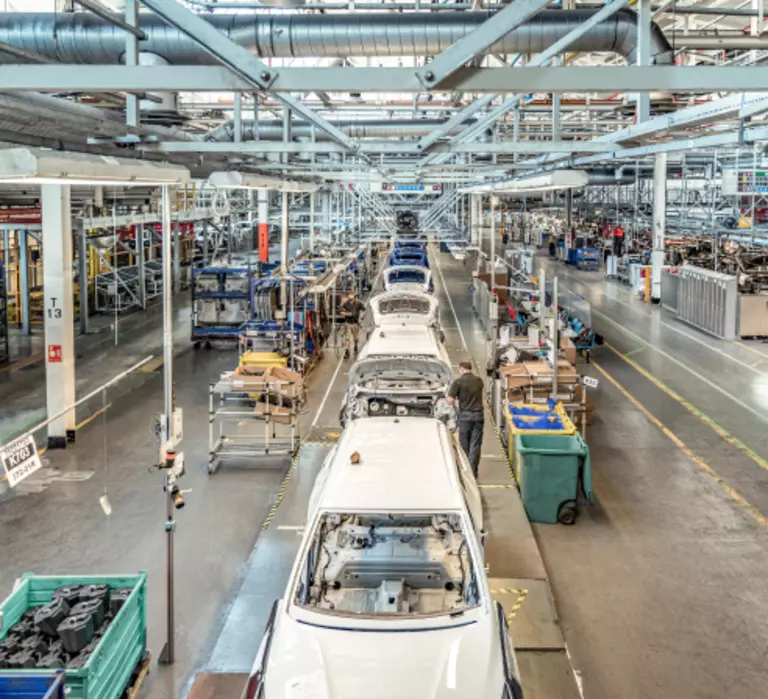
x,y
548,470
109,668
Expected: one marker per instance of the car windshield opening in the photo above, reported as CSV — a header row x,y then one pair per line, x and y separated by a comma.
x,y
389,565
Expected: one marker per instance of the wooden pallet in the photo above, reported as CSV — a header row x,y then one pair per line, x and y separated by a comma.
x,y
138,677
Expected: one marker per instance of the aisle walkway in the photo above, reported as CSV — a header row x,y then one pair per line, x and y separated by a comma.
x,y
663,585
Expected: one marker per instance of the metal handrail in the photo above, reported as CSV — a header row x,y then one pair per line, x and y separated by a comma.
x,y
74,405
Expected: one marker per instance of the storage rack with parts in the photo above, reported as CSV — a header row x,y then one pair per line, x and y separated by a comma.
x,y
220,302
253,416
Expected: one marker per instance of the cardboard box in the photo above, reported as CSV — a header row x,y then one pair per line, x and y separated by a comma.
x,y
568,349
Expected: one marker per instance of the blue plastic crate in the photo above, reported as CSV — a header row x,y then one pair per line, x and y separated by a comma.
x,y
31,684
123,646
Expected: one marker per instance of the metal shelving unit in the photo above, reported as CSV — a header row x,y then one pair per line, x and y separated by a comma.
x,y
252,419
220,302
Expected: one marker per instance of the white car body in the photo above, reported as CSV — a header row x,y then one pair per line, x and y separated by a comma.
x,y
388,597
402,307
423,272
402,370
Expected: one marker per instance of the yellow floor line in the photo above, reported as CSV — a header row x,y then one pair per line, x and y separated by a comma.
x,y
735,495
26,362
722,432
751,349
95,415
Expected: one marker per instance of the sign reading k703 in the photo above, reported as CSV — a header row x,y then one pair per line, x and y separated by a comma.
x,y
20,459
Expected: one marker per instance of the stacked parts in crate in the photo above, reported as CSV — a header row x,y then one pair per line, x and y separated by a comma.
x,y
220,302
93,628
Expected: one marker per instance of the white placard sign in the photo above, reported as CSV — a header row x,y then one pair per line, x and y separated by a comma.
x,y
20,459
590,382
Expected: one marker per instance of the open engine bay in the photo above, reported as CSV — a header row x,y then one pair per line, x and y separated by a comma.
x,y
404,304
383,565
399,386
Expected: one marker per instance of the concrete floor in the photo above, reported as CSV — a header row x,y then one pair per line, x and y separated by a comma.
x,y
661,587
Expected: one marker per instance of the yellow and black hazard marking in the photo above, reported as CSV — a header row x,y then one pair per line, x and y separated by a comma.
x,y
498,436
521,595
281,491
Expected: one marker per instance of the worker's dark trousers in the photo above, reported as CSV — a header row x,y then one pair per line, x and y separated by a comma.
x,y
471,437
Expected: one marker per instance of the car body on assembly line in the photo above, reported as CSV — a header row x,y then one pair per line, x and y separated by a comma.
x,y
408,278
388,597
402,370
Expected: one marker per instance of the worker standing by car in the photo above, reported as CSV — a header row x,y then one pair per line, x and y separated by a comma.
x,y
352,311
466,395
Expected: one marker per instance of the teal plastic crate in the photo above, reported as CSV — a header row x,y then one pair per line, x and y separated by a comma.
x,y
108,670
549,470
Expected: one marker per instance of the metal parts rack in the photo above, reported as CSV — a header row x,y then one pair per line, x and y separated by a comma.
x,y
220,302
261,414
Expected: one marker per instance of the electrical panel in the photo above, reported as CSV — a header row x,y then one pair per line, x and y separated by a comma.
x,y
745,182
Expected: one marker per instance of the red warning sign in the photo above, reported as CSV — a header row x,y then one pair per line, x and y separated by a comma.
x,y
54,353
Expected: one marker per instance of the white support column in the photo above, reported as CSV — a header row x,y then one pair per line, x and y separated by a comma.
x,y
474,214
59,312
284,254
312,198
494,202
659,222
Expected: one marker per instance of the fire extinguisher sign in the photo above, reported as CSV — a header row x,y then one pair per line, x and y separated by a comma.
x,y
54,354
20,459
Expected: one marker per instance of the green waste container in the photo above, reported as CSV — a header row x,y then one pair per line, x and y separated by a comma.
x,y
548,470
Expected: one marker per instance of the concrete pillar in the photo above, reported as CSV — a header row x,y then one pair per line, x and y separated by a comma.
x,y
264,225
659,222
59,312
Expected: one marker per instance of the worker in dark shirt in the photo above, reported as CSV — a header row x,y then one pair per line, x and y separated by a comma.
x,y
466,395
352,312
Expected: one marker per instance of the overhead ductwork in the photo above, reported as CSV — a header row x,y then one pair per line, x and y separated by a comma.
x,y
82,37
368,128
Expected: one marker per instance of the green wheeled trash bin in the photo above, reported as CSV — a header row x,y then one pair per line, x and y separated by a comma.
x,y
549,470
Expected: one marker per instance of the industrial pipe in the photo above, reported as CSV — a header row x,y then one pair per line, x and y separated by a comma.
x,y
82,37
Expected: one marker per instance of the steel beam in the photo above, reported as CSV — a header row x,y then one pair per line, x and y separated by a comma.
x,y
511,101
239,60
541,60
575,79
386,147
107,15
498,24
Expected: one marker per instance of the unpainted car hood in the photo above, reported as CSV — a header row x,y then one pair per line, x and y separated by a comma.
x,y
310,662
428,367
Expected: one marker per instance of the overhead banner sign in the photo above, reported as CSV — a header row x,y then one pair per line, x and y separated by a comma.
x,y
20,459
